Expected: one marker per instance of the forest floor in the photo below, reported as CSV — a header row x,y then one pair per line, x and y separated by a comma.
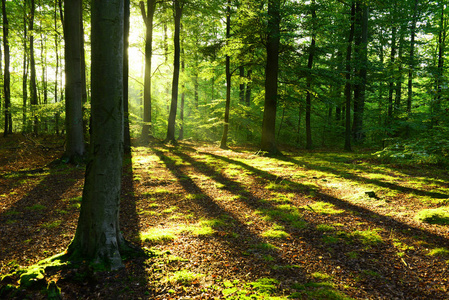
x,y
232,224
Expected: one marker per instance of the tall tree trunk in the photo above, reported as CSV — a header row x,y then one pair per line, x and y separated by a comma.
x,y
392,79
436,106
33,85
183,96
98,237
56,36
178,5
248,88
126,24
242,84
75,148
412,58
224,138
268,142
7,76
25,71
399,78
148,19
44,83
348,86
361,53
309,80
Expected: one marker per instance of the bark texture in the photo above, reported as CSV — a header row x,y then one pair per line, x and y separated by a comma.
x,y
268,143
98,236
75,148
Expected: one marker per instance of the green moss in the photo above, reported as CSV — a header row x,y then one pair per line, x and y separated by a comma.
x,y
184,277
368,237
441,252
276,232
434,216
324,208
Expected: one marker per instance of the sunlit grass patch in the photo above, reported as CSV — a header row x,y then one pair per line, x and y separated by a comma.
x,y
170,210
321,276
184,277
324,290
158,235
161,191
266,247
440,252
369,237
275,232
325,227
195,196
325,208
286,213
434,216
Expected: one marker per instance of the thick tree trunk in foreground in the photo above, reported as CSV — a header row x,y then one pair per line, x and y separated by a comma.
x,y
175,85
126,134
75,149
98,236
268,143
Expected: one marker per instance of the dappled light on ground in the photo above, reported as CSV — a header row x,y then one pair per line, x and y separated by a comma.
x,y
231,224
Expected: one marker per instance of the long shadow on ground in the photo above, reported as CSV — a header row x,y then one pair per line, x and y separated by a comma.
x,y
395,278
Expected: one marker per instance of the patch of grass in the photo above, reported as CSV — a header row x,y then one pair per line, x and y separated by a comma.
x,y
331,239
266,247
184,277
353,255
36,207
325,227
158,235
438,216
323,208
50,225
195,196
161,191
11,213
170,210
440,252
276,232
321,276
318,290
369,237
286,213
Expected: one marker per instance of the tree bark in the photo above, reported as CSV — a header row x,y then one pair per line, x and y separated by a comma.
x,y
126,24
178,5
361,52
7,75
309,81
412,58
148,19
75,148
33,86
98,236
268,143
224,138
25,71
348,86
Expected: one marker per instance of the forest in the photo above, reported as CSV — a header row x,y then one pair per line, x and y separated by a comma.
x,y
238,149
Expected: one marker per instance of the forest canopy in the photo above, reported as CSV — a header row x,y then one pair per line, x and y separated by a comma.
x,y
347,72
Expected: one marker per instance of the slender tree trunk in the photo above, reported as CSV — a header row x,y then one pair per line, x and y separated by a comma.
x,y
436,106
126,24
399,78
148,19
309,81
98,237
7,76
25,71
348,86
361,52
56,36
33,85
392,80
412,58
242,84
75,148
224,138
44,79
268,143
183,97
248,88
178,5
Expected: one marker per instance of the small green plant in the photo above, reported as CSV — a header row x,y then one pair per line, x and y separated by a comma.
x,y
434,216
50,225
325,227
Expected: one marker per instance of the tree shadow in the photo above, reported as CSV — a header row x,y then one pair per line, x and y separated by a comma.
x,y
30,226
397,277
